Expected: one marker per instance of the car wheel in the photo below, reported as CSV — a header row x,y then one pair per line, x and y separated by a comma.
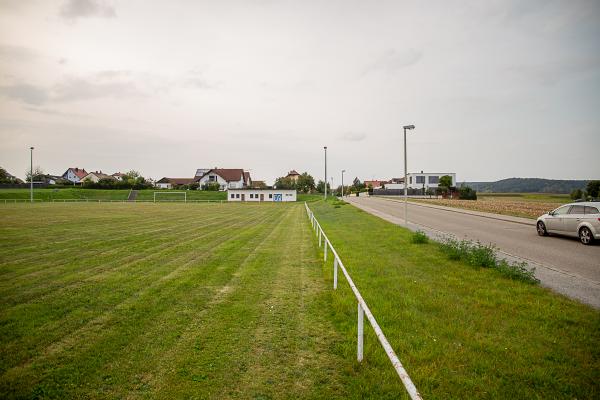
x,y
585,235
541,229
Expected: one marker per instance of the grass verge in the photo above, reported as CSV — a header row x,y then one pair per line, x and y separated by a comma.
x,y
461,332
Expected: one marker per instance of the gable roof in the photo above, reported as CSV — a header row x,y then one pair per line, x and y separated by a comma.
x,y
293,173
79,172
99,175
228,174
176,181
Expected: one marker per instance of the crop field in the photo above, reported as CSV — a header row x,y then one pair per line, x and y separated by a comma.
x,y
216,301
529,205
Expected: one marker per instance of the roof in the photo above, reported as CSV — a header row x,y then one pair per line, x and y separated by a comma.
x,y
118,174
100,175
229,175
293,172
177,181
79,172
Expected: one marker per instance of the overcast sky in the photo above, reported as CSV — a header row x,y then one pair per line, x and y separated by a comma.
x,y
496,89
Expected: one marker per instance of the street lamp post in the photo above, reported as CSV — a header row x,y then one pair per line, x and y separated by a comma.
x,y
406,127
31,175
325,181
343,182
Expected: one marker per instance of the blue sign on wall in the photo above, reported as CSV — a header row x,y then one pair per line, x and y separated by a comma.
x,y
277,197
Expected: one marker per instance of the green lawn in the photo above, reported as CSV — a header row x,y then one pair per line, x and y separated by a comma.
x,y
164,301
219,301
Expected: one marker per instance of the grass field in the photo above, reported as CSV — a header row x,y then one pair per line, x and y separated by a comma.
x,y
101,194
528,205
233,301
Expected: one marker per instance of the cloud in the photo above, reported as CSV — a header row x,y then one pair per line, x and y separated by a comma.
x,y
74,89
74,9
18,53
26,93
353,136
392,60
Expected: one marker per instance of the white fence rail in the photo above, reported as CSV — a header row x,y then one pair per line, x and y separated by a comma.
x,y
363,309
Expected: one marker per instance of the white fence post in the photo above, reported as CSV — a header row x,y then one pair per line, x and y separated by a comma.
x,y
361,318
335,267
320,235
325,252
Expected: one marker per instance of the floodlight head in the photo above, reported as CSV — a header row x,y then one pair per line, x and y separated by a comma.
x,y
343,170
409,127
31,148
325,147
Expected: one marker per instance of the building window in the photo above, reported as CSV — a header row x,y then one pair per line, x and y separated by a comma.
x,y
212,178
237,196
270,195
232,196
434,179
420,179
410,180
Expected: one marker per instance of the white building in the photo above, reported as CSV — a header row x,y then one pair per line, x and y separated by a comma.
x,y
258,195
226,178
420,180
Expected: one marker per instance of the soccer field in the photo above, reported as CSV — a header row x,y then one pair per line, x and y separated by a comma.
x,y
163,301
169,301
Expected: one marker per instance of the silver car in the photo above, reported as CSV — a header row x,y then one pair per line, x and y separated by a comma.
x,y
580,220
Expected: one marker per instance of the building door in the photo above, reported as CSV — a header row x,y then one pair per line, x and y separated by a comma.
x,y
243,197
262,197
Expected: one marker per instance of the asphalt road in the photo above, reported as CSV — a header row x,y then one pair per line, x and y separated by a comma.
x,y
561,263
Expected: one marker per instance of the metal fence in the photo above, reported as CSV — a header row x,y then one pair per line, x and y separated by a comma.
x,y
363,309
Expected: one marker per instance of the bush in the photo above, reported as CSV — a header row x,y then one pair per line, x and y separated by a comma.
x,y
212,186
466,193
419,237
478,255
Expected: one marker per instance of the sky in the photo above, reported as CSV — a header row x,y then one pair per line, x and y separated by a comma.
x,y
496,89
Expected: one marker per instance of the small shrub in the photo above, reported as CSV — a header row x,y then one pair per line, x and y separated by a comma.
x,y
479,255
466,193
517,271
452,248
419,237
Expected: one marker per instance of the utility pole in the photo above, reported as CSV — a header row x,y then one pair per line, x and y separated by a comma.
x,y
406,127
31,175
343,182
325,181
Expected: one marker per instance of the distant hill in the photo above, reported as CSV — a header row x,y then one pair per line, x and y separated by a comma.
x,y
528,185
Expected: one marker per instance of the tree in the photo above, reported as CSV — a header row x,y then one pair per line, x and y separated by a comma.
x,y
5,177
445,182
285,183
321,187
593,188
38,174
576,194
211,186
305,183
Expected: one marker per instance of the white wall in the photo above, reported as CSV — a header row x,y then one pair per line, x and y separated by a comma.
x,y
164,185
412,180
272,195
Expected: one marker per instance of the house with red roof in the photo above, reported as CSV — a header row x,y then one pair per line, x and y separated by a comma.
x,y
75,174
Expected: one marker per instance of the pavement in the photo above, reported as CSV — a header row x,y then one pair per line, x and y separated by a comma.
x,y
562,264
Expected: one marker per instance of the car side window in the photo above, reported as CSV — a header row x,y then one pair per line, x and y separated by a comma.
x,y
576,210
562,210
591,210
